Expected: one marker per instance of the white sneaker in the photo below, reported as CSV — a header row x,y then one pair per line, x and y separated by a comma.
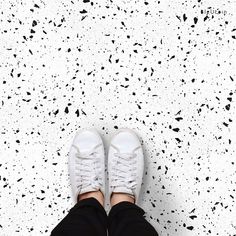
x,y
86,163
125,164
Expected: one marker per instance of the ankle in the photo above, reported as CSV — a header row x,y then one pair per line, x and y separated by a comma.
x,y
121,197
95,194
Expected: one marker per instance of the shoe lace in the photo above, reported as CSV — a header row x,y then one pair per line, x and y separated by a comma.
x,y
125,170
88,168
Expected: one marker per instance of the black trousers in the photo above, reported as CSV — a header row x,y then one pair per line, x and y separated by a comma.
x,y
88,218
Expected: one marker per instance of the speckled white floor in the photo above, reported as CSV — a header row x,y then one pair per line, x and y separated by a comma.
x,y
163,68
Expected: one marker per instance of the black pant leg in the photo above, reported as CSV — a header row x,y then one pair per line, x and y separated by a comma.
x,y
87,217
126,219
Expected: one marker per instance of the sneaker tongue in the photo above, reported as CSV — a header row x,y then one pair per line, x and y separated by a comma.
x,y
123,190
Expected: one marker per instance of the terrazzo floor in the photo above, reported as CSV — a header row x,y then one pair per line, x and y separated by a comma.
x,y
163,68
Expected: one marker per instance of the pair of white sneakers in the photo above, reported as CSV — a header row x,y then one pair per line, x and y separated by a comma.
x,y
125,163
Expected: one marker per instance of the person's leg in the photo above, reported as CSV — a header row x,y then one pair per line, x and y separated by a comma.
x,y
86,169
87,217
125,167
126,218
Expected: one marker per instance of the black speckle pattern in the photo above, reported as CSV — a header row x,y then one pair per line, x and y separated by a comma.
x,y
164,68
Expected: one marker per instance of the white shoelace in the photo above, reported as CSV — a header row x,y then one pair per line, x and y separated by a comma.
x,y
125,170
88,169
